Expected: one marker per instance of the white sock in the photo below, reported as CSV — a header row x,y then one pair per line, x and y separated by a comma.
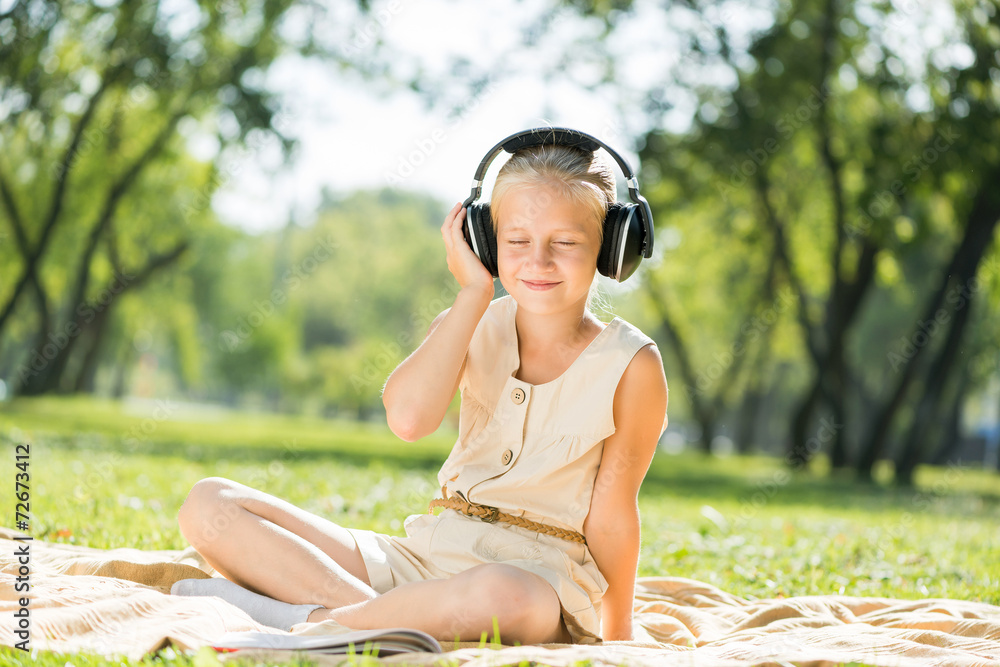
x,y
264,610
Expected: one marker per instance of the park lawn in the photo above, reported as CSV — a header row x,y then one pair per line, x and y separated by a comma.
x,y
108,475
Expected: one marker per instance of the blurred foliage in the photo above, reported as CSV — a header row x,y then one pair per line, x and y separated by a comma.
x,y
854,170
97,182
824,195
314,318
104,110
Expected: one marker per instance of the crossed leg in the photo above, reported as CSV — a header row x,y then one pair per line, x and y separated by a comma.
x,y
269,546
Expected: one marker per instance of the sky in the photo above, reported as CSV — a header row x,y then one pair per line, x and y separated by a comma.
x,y
354,134
373,142
351,135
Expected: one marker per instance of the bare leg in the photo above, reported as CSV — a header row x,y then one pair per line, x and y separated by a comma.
x,y
463,607
269,546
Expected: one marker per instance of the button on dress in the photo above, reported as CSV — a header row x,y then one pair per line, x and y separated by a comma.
x,y
530,450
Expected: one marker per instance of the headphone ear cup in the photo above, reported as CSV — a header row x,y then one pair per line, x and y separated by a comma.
x,y
478,229
608,257
621,247
491,242
630,246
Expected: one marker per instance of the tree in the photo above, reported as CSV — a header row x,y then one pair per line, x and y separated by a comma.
x,y
93,98
825,135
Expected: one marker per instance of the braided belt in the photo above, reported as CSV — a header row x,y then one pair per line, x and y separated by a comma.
x,y
493,515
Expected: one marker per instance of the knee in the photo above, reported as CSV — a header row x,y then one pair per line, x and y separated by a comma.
x,y
525,605
207,510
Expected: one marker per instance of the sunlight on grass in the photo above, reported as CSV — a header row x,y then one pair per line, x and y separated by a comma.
x,y
107,475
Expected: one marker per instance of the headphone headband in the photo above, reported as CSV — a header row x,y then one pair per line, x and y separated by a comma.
x,y
564,136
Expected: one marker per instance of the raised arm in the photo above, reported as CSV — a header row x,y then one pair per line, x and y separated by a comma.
x,y
418,393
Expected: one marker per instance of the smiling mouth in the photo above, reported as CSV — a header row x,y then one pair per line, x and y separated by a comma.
x,y
539,284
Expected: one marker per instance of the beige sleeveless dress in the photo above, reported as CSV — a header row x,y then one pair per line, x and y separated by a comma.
x,y
530,450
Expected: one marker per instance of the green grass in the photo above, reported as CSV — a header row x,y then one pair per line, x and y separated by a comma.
x,y
109,475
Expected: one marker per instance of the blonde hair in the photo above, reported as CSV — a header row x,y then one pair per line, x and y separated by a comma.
x,y
583,177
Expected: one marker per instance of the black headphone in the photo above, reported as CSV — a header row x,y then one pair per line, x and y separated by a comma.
x,y
628,228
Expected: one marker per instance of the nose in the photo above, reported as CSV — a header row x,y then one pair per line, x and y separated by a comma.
x,y
541,257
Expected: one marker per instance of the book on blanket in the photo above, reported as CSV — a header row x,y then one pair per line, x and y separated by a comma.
x,y
383,642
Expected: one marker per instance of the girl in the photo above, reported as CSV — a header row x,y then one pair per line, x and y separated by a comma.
x,y
560,416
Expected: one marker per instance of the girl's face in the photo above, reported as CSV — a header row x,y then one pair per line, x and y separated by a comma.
x,y
547,249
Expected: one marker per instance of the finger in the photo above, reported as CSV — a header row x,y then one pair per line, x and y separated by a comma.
x,y
449,219
455,236
459,226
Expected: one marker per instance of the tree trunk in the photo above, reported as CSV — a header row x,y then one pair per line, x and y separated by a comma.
x,y
32,258
798,452
929,404
122,367
50,378
703,409
85,378
749,411
753,399
961,270
837,400
831,368
952,431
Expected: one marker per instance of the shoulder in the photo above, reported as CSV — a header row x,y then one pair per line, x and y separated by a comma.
x,y
631,336
496,308
644,370
642,392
